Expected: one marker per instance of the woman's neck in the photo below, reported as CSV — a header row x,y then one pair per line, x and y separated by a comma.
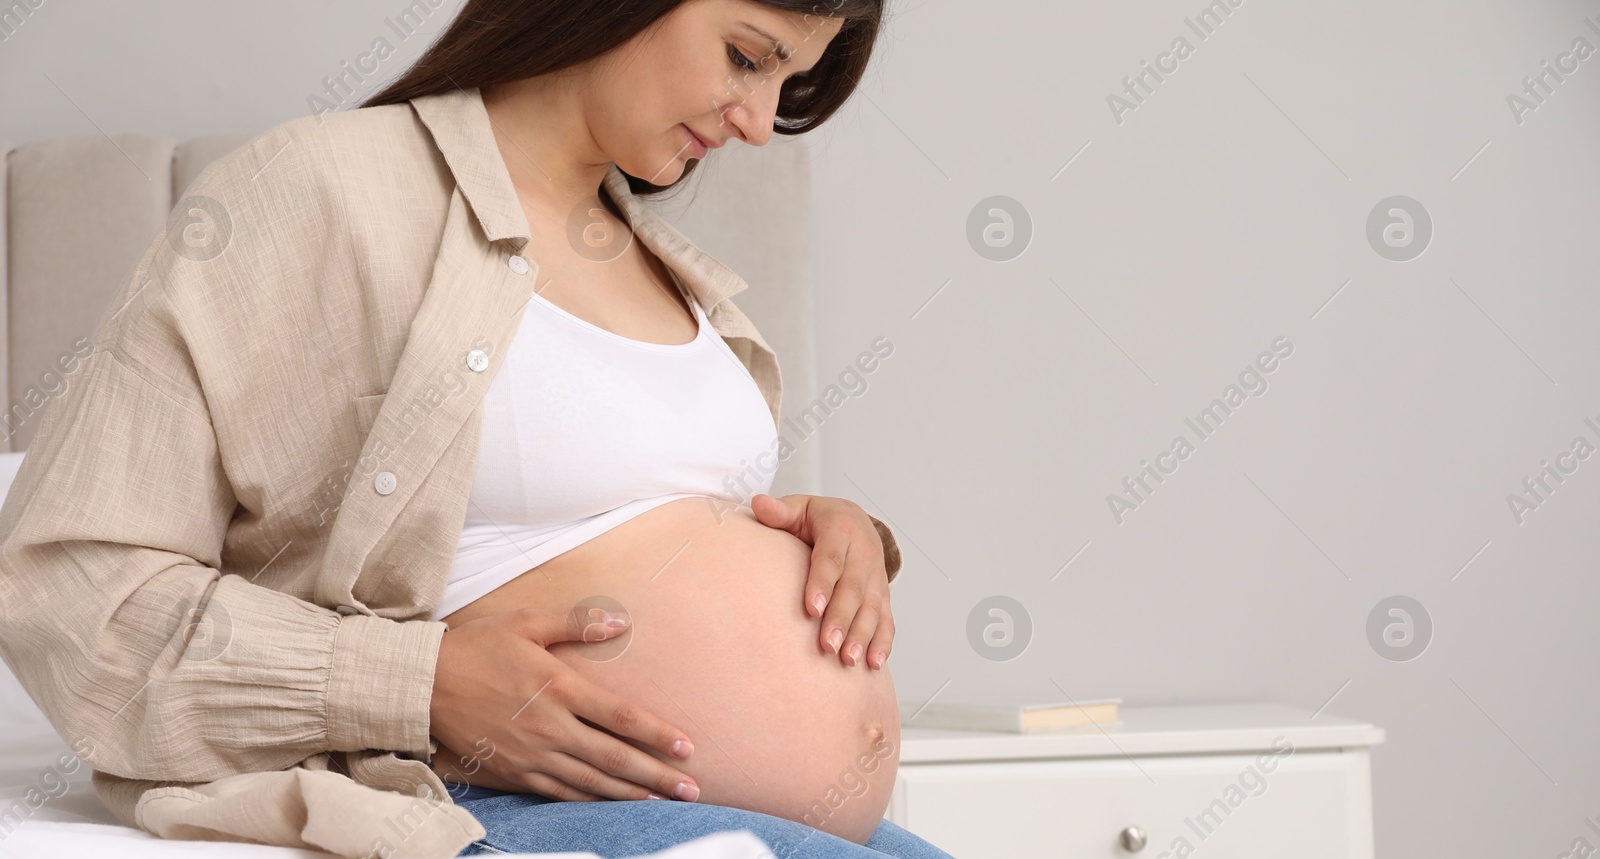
x,y
544,139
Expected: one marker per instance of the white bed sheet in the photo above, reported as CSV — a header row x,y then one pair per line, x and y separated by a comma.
x,y
73,822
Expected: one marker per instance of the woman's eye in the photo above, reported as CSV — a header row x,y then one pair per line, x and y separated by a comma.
x,y
740,60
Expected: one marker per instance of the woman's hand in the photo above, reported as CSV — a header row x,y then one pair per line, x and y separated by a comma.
x,y
524,721
847,577
458,771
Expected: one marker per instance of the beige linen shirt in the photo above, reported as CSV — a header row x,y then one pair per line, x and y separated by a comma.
x,y
218,557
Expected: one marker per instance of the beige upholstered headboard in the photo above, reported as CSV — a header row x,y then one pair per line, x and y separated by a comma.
x,y
79,212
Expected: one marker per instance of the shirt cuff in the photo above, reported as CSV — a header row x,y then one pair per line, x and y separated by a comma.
x,y
380,688
891,551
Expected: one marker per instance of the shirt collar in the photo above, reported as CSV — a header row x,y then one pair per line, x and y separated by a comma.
x,y
463,134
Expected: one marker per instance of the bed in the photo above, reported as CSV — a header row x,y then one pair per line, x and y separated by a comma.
x,y
78,213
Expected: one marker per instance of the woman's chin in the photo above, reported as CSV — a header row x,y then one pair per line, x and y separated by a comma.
x,y
662,168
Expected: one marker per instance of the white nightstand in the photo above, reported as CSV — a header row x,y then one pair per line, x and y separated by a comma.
x,y
1237,781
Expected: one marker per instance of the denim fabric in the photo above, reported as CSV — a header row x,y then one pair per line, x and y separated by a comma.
x,y
530,823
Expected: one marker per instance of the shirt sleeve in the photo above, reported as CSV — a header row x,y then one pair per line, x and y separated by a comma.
x,y
114,614
891,551
115,618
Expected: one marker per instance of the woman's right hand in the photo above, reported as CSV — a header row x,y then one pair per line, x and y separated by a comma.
x,y
519,713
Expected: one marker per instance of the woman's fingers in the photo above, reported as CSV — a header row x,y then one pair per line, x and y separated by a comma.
x,y
622,717
609,754
547,785
843,607
840,580
565,719
828,557
578,770
882,641
861,631
559,777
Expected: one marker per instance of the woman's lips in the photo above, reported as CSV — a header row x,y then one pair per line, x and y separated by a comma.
x,y
698,146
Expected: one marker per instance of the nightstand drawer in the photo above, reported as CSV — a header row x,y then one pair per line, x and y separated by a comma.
x,y
1309,804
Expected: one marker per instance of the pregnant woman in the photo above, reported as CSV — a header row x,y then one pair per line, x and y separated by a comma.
x,y
612,470
400,410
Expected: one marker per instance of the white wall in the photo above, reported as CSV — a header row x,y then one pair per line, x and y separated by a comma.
x,y
183,68
1221,214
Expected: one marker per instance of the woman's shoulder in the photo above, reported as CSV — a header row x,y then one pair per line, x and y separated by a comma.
x,y
307,198
336,158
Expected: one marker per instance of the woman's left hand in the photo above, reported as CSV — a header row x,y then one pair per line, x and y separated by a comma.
x,y
847,579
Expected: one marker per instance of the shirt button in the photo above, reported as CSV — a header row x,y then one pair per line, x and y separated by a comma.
x,y
477,360
347,610
518,264
384,482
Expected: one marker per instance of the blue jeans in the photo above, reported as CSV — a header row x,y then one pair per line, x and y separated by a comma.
x,y
530,823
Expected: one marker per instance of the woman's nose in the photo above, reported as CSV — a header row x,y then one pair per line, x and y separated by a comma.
x,y
754,110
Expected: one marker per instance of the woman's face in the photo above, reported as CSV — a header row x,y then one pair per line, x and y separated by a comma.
x,y
704,66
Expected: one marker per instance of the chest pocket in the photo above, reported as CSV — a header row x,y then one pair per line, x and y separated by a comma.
x,y
366,409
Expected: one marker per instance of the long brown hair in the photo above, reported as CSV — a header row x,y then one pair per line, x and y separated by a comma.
x,y
494,41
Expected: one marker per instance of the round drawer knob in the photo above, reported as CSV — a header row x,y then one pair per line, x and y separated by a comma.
x,y
1133,839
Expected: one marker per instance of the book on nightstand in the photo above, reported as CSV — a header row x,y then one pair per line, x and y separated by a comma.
x,y
1014,717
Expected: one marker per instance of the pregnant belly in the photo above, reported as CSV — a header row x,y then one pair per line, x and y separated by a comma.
x,y
721,648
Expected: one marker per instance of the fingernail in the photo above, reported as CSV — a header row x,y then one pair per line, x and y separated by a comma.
x,y
855,654
820,601
836,638
616,620
686,791
881,657
682,748
654,796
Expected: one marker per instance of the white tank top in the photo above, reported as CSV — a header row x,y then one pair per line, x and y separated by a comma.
x,y
584,429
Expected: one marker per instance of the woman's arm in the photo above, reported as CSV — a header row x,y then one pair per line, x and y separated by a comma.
x,y
115,618
114,613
